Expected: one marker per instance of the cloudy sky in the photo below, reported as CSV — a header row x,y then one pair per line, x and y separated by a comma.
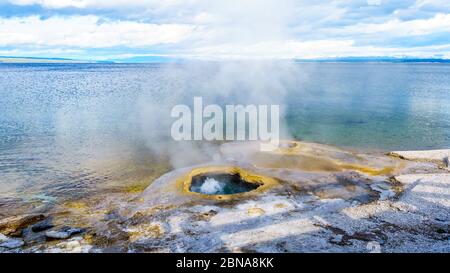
x,y
225,29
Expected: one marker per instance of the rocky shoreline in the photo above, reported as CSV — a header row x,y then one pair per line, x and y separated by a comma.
x,y
326,199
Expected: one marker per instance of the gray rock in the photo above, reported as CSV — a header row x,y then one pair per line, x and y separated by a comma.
x,y
10,243
337,239
384,190
63,233
54,234
41,226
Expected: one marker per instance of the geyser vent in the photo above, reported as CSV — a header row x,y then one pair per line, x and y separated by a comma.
x,y
224,182
221,184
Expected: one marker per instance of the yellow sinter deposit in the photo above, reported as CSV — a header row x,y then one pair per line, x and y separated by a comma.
x,y
264,182
295,155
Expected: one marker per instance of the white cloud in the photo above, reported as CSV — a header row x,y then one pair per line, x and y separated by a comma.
x,y
102,3
373,2
42,52
52,3
229,29
311,50
88,32
275,49
440,22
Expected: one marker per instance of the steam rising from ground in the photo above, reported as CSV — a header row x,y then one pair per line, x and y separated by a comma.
x,y
218,83
129,113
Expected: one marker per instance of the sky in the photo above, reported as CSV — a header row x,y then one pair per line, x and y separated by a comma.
x,y
225,29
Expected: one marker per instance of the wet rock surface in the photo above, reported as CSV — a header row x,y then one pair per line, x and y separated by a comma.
x,y
14,225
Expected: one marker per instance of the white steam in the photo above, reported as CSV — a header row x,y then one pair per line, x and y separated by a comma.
x,y
212,186
244,83
135,103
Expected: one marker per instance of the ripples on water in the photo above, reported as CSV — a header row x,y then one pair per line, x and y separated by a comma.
x,y
68,129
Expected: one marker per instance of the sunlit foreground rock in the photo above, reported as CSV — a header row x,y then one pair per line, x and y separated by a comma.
x,y
301,197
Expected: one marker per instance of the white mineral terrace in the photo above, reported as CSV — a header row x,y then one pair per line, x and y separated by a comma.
x,y
438,155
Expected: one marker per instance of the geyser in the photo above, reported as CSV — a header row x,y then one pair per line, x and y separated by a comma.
x,y
221,183
224,182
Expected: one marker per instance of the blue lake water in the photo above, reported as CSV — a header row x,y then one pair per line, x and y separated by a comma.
x,y
384,106
59,120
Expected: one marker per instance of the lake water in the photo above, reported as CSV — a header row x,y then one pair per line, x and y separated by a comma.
x,y
67,128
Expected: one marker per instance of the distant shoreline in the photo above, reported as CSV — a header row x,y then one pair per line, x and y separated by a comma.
x,y
16,59
4,59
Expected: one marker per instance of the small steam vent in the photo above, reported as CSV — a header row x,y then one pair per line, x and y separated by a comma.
x,y
224,182
221,183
